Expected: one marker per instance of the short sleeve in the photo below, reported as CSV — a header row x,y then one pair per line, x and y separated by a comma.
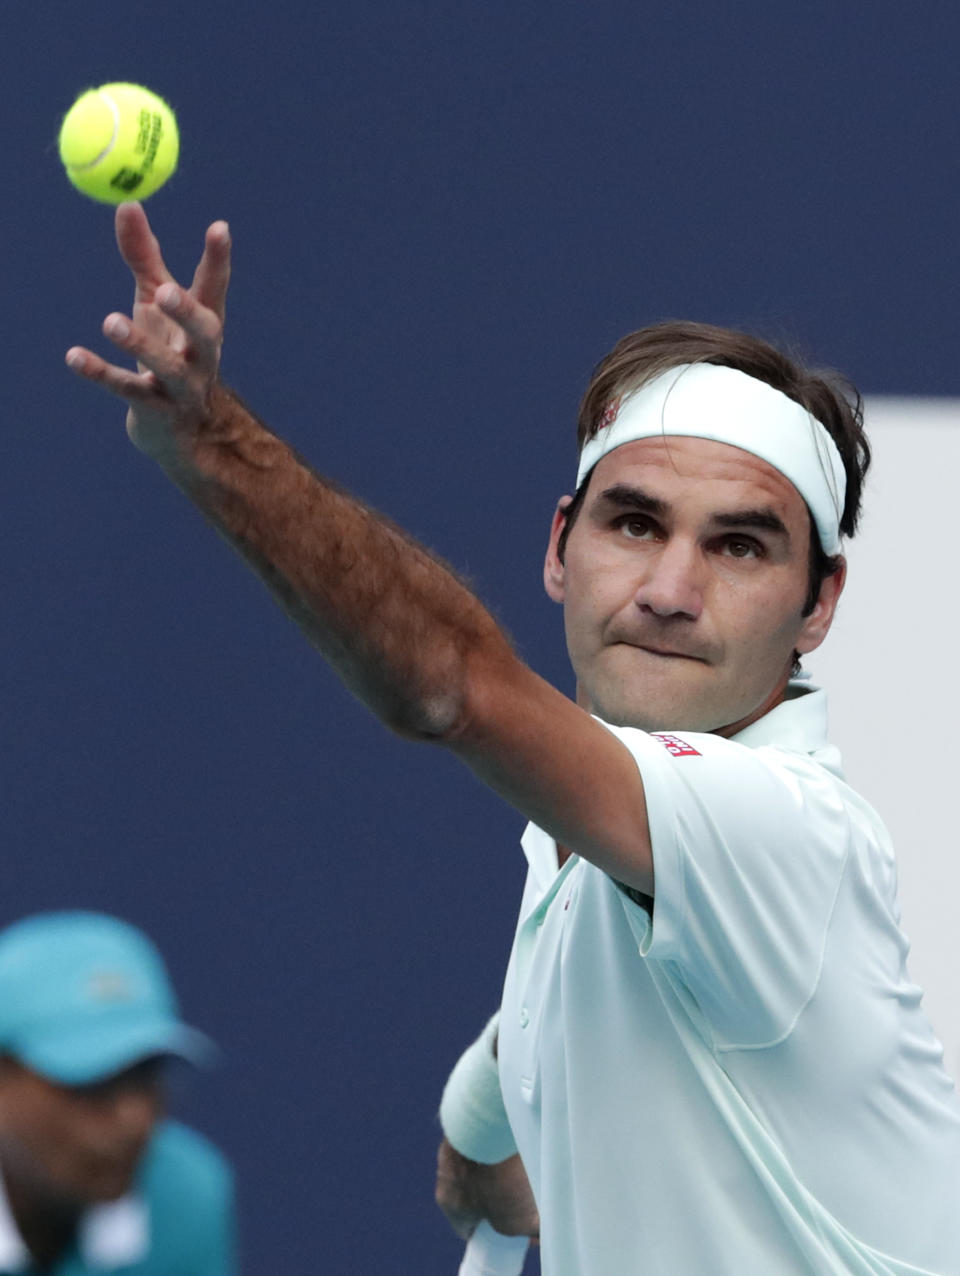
x,y
749,849
218,1255
189,1187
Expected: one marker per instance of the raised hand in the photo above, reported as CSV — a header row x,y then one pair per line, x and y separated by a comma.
x,y
175,334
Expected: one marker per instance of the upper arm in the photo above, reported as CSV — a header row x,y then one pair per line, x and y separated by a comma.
x,y
203,1212
557,765
219,1250
750,848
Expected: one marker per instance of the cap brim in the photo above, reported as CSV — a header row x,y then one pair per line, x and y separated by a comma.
x,y
99,1052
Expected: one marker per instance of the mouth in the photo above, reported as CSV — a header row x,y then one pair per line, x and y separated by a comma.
x,y
666,653
111,1183
121,1163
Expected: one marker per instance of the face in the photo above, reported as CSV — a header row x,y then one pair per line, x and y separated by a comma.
x,y
77,1145
683,584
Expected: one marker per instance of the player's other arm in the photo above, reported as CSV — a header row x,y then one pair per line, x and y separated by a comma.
x,y
479,1173
395,624
470,1191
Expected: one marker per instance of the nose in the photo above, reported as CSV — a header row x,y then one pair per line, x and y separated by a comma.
x,y
134,1113
673,583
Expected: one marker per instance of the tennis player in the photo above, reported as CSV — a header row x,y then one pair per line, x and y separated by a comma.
x,y
710,1054
93,1177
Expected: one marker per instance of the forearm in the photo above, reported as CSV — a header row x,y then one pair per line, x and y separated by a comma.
x,y
479,1173
397,626
393,621
472,1111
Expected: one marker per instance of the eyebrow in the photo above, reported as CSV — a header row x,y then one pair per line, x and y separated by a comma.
x,y
626,496
762,519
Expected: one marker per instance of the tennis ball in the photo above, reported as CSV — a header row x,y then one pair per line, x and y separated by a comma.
x,y
119,142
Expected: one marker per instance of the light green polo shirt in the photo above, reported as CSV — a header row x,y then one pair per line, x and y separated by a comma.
x,y
746,1084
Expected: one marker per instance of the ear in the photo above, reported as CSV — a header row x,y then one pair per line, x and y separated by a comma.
x,y
816,626
553,572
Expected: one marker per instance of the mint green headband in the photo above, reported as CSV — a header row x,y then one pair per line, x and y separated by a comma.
x,y
706,401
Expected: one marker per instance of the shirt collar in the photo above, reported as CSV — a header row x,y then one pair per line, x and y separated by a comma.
x,y
115,1234
797,724
14,1255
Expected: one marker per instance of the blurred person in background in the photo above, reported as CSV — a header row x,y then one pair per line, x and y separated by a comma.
x,y
93,1176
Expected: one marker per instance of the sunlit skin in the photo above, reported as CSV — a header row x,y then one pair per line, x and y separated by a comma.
x,y
683,585
64,1148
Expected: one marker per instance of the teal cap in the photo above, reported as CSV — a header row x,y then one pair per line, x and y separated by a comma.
x,y
84,996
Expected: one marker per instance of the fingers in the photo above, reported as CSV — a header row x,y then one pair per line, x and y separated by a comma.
x,y
133,387
173,362
171,369
175,335
212,276
200,323
140,249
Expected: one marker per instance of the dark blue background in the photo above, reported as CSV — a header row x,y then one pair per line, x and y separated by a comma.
x,y
444,214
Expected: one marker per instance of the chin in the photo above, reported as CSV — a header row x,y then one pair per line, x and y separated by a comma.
x,y
658,710
631,689
117,1189
110,1185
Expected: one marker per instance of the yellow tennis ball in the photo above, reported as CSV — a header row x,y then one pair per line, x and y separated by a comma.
x,y
119,142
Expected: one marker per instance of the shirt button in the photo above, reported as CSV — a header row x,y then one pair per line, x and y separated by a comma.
x,y
524,1017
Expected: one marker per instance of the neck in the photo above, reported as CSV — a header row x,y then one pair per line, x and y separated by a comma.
x,y
47,1223
776,696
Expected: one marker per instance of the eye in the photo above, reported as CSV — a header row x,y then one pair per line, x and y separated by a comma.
x,y
635,527
742,547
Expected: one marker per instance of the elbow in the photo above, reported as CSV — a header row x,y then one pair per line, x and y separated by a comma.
x,y
431,705
447,705
431,718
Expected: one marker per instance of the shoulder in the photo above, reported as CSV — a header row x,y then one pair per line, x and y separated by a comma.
x,y
184,1171
729,776
733,824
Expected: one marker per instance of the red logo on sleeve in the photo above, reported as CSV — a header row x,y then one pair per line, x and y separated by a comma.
x,y
673,744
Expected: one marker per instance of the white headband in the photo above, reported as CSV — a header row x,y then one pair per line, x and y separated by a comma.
x,y
708,401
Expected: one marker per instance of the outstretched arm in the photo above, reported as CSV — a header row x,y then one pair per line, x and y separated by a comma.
x,y
397,626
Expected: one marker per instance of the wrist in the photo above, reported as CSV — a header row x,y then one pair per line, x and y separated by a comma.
x,y
472,1111
211,443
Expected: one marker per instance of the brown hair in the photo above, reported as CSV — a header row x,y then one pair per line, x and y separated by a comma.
x,y
836,404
